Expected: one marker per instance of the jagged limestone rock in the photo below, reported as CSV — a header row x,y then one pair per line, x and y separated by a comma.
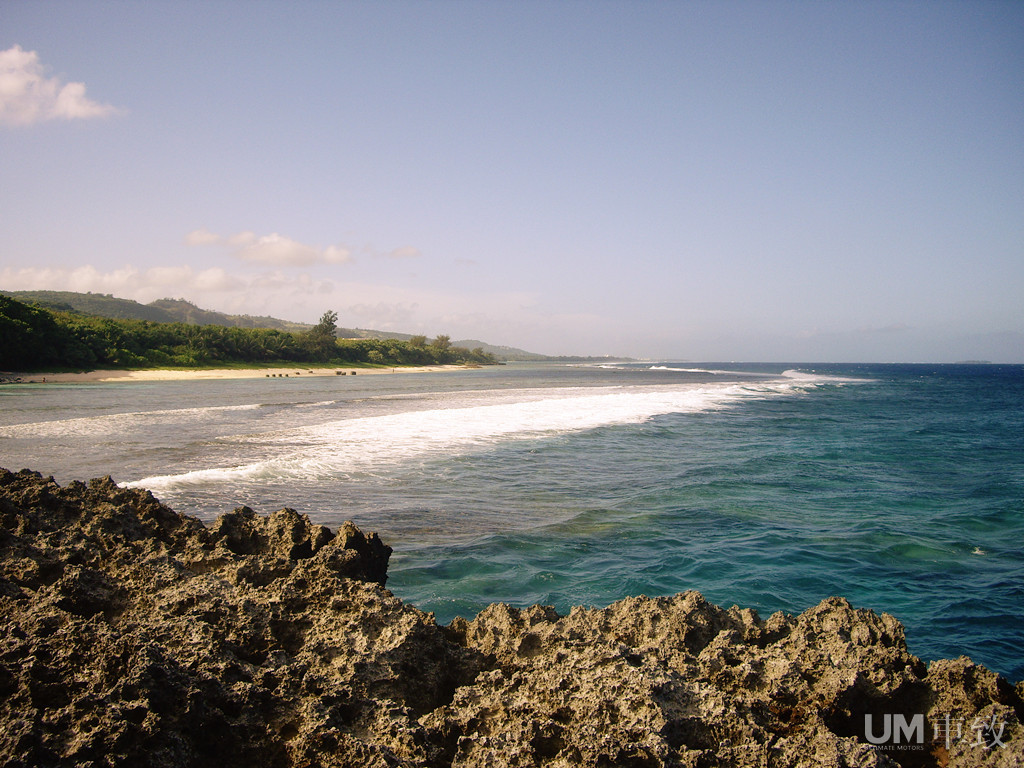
x,y
132,635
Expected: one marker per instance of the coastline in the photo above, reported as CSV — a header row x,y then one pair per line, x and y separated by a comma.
x,y
194,374
137,635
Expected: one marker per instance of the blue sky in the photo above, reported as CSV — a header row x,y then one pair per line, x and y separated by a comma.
x,y
687,180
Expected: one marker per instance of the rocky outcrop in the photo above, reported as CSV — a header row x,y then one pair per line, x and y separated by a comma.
x,y
132,635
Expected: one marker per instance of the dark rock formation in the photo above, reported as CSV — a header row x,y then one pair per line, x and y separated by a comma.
x,y
132,635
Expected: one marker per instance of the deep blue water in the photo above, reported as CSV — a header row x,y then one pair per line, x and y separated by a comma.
x,y
774,486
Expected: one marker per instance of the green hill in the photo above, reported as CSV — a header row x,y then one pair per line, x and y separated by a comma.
x,y
501,352
187,312
160,311
182,311
95,304
36,338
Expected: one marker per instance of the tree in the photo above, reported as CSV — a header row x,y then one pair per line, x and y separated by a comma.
x,y
441,343
321,339
328,325
33,337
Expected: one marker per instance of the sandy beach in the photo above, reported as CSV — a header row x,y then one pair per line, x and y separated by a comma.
x,y
162,374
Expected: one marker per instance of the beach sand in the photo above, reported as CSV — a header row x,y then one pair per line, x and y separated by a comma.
x,y
160,374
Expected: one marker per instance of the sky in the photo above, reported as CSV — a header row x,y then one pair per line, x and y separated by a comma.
x,y
774,181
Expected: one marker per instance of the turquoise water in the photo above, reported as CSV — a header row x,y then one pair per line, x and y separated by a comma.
x,y
770,486
905,494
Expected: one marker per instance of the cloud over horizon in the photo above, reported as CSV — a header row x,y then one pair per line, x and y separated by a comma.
x,y
273,249
27,96
127,282
277,250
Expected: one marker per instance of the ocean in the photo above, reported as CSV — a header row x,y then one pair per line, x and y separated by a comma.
x,y
770,486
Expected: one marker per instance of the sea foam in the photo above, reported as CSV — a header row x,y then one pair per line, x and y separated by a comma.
x,y
335,449
117,423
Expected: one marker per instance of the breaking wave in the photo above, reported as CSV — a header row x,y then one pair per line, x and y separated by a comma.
x,y
338,448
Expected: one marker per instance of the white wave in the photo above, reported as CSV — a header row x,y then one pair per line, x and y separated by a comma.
x,y
821,378
688,370
113,423
712,371
339,448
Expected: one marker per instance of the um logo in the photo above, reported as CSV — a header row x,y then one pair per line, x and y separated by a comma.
x,y
896,727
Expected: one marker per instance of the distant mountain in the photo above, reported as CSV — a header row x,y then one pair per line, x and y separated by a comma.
x,y
99,304
363,333
160,311
513,355
181,311
500,352
187,312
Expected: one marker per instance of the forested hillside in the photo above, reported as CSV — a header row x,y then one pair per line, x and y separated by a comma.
x,y
35,338
182,311
159,311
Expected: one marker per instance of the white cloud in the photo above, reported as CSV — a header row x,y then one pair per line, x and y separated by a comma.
x,y
273,249
335,254
405,252
216,280
27,96
279,285
240,239
127,282
277,249
402,252
159,276
202,236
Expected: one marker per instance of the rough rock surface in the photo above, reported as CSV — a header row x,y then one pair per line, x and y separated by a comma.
x,y
132,635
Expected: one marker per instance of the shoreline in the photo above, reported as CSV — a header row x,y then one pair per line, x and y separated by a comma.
x,y
194,374
136,632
